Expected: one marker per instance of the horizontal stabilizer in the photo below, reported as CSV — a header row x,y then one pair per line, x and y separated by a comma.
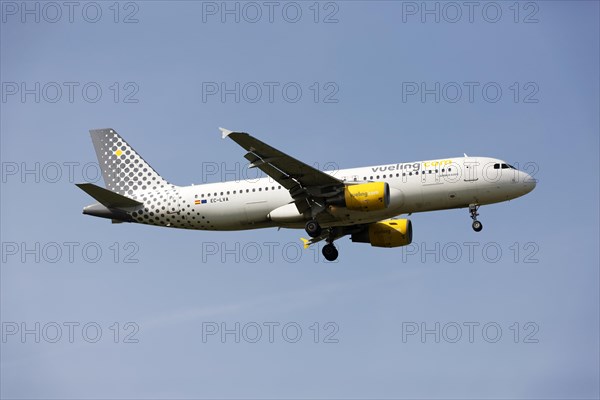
x,y
108,198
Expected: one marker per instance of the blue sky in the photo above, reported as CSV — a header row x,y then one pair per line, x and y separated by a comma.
x,y
544,284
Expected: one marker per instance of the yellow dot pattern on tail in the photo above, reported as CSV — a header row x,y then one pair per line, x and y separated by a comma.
x,y
127,173
124,170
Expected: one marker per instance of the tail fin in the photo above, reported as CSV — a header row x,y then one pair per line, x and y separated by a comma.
x,y
123,169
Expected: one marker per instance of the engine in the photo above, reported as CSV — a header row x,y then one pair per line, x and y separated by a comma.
x,y
364,197
388,233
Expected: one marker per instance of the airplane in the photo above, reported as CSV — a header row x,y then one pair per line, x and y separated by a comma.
x,y
364,203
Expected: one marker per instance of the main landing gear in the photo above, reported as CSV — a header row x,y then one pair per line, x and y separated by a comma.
x,y
477,226
330,252
314,230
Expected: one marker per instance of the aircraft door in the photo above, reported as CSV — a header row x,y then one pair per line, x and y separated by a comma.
x,y
174,207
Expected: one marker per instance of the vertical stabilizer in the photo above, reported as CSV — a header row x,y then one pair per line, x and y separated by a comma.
x,y
124,170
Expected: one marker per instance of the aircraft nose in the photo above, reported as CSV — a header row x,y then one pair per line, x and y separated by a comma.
x,y
529,182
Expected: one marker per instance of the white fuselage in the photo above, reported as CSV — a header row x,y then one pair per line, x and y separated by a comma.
x,y
414,187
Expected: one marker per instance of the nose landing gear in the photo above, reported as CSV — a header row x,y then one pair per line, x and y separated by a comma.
x,y
477,226
315,231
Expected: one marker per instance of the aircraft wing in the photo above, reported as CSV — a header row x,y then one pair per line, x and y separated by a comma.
x,y
304,182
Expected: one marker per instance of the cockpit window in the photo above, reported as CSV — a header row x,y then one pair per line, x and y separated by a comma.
x,y
503,166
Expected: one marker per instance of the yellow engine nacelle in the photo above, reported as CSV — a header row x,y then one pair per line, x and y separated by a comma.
x,y
389,233
367,196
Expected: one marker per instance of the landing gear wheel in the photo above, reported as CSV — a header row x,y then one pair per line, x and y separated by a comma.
x,y
313,228
330,252
477,226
